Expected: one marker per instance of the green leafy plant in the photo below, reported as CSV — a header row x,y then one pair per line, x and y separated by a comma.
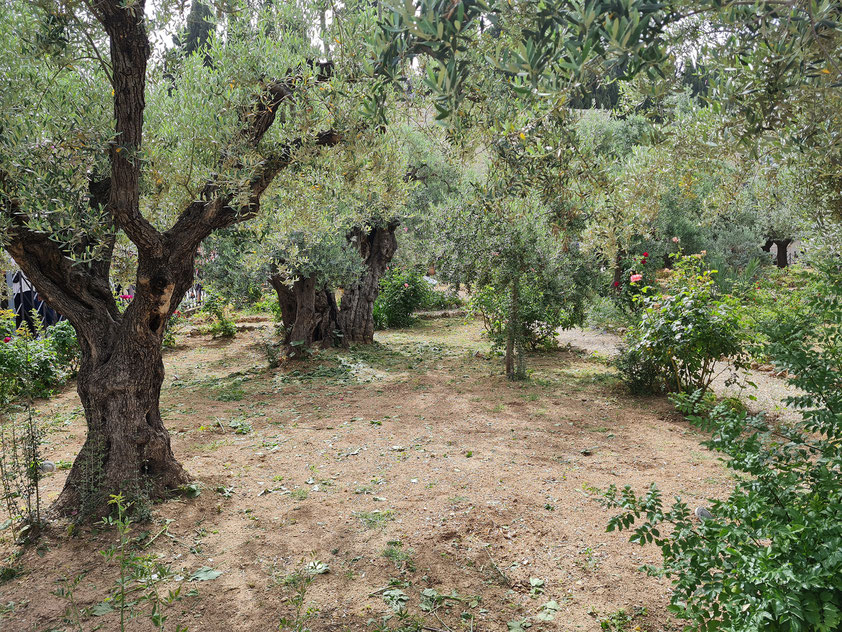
x,y
682,334
21,471
401,293
138,589
299,582
767,557
175,323
34,364
221,325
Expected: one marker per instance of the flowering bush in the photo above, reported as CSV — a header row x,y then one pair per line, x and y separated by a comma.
x,y
682,333
401,293
768,556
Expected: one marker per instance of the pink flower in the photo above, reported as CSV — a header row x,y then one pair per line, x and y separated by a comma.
x,y
675,240
7,339
635,278
405,229
126,297
406,284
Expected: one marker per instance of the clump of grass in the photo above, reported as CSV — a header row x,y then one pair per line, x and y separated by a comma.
x,y
299,494
374,519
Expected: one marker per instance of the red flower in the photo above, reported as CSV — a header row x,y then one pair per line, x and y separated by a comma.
x,y
645,254
7,339
616,284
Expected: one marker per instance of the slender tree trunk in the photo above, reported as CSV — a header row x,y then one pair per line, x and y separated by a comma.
x,y
356,313
512,337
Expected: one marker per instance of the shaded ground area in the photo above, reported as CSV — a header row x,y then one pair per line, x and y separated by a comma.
x,y
769,395
410,466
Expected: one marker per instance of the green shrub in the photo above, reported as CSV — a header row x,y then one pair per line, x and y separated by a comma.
x,y
682,334
401,293
221,325
174,324
34,366
542,310
440,299
769,558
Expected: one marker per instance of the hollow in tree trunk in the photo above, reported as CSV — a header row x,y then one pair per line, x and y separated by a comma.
x,y
377,246
127,448
121,371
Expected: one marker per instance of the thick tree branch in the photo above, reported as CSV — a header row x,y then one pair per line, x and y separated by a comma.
x,y
80,291
130,51
214,211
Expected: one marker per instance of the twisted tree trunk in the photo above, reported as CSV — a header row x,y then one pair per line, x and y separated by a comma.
x,y
309,315
377,246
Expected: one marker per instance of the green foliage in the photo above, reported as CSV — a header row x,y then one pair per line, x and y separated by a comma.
x,y
401,293
138,589
221,325
175,323
435,299
774,297
32,365
298,583
769,558
542,310
682,334
21,471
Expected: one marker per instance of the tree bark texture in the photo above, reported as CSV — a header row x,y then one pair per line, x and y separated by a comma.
x,y
309,315
781,258
377,246
513,333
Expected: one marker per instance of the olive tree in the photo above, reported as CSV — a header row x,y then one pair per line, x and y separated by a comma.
x,y
104,139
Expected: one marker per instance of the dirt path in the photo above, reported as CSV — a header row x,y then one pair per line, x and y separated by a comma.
x,y
410,470
770,392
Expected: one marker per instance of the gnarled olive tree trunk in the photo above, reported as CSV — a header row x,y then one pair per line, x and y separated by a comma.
x,y
309,315
121,371
781,259
377,246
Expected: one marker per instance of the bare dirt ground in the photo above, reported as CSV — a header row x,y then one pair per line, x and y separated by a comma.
x,y
769,395
412,467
